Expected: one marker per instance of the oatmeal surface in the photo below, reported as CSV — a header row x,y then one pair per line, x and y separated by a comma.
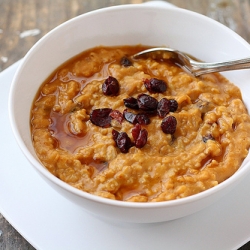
x,y
207,145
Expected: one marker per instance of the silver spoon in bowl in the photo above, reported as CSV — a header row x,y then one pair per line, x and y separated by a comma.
x,y
194,67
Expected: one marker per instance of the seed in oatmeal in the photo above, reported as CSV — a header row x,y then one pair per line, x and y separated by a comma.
x,y
101,117
168,124
147,102
110,86
155,85
207,137
126,62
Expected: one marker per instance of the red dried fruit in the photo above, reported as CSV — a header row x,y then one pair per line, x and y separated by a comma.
x,y
100,117
115,134
136,131
125,62
142,119
131,102
129,116
140,136
150,112
168,124
155,85
173,105
147,102
110,86
123,142
117,115
163,107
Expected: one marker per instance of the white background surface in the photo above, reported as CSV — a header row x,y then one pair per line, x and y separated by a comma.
x,y
49,221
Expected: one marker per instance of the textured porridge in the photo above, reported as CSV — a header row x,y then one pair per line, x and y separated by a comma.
x,y
138,130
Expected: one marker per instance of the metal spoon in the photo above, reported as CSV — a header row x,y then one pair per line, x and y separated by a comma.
x,y
194,67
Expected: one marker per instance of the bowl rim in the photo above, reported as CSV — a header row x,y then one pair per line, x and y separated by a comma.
x,y
42,170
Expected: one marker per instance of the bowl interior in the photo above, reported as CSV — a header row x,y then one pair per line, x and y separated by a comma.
x,y
121,25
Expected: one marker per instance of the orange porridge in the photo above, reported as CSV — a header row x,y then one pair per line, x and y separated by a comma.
x,y
139,130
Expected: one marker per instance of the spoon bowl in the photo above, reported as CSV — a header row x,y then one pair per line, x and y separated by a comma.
x,y
192,66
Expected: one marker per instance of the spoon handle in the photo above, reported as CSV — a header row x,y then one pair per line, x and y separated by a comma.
x,y
203,68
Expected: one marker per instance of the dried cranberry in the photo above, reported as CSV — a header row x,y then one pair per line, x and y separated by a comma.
x,y
136,131
131,102
110,86
150,112
117,115
163,107
115,134
142,119
100,117
147,102
173,105
123,142
125,62
129,116
168,124
140,136
155,85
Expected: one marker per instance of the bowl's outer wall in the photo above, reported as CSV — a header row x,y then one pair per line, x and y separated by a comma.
x,y
114,213
123,25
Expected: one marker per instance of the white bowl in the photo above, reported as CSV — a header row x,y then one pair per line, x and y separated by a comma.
x,y
126,25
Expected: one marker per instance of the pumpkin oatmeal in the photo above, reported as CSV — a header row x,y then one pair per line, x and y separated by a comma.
x,y
139,130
